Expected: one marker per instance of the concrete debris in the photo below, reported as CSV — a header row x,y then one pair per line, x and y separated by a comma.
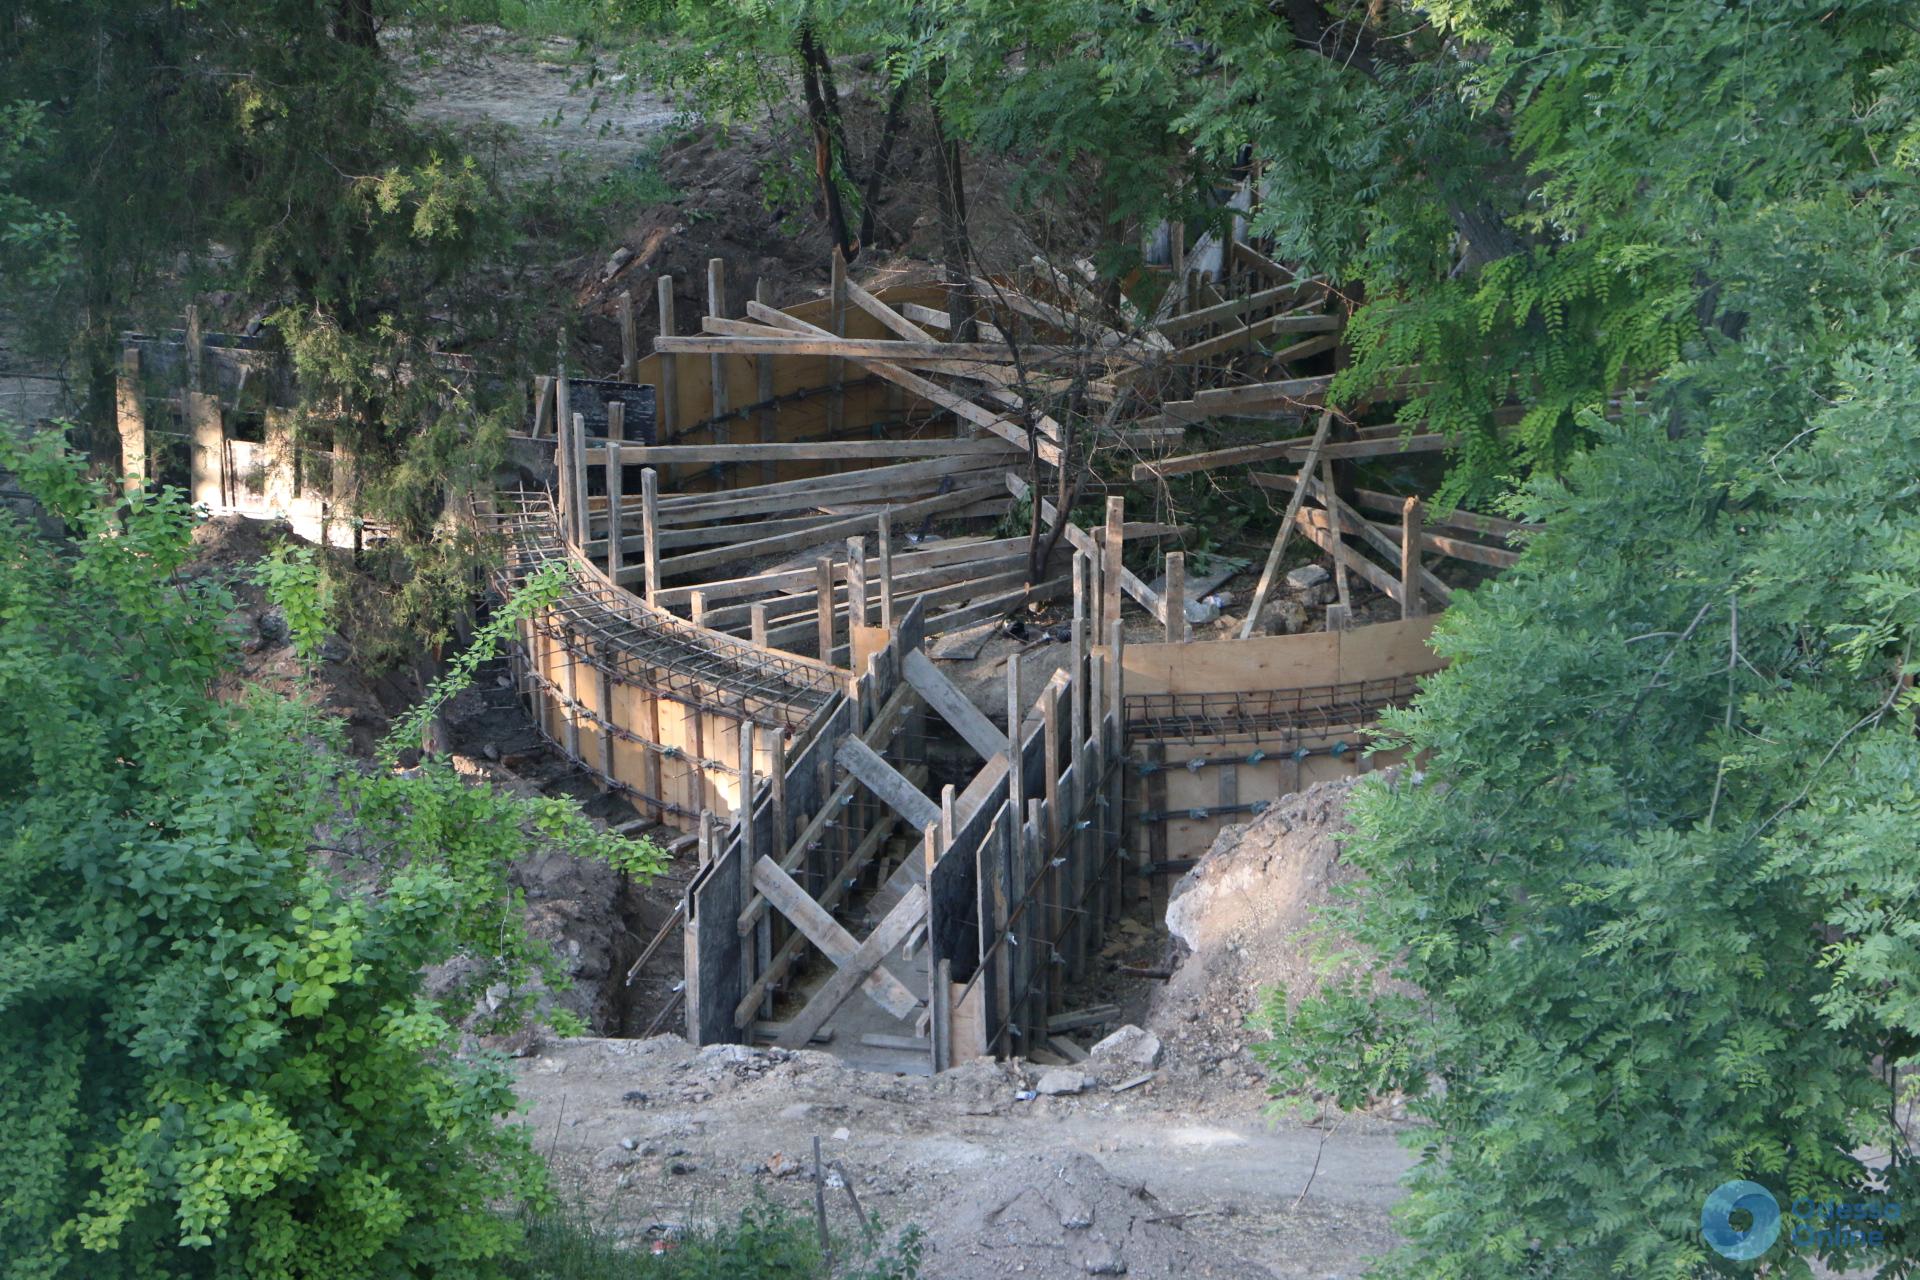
x,y
1129,1046
1307,575
1061,1080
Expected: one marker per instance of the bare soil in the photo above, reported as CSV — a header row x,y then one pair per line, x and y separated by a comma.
x,y
656,1135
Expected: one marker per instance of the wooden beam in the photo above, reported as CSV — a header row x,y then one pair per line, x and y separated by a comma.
x,y
1410,531
855,348
1173,600
891,932
959,551
1390,504
887,782
650,529
813,451
616,432
1270,572
787,542
930,391
667,403
1113,560
629,340
716,363
1351,521
954,707
825,933
1236,307
1161,468
1253,332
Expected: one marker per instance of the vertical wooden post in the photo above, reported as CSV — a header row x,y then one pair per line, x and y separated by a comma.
x,y
857,614
616,480
1173,603
763,378
629,340
650,529
717,363
1336,529
1113,553
570,686
823,593
1016,774
1413,525
757,613
837,321
132,420
1053,853
886,568
542,405
583,521
697,608
667,403
1177,246
562,403
563,477
1078,638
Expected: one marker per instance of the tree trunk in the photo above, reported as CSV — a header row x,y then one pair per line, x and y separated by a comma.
x,y
951,190
820,116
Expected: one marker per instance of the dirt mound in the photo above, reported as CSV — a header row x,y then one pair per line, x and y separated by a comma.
x,y
1245,917
1066,1215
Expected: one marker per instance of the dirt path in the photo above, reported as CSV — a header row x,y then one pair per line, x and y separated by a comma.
x,y
655,1132
535,91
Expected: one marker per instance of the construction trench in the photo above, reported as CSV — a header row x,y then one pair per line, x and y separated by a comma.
x,y
771,525
772,529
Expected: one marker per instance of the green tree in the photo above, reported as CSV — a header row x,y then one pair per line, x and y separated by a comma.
x,y
215,1059
1655,883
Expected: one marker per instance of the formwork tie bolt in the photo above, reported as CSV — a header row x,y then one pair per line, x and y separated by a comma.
x,y
1301,754
1196,764
1256,757
1338,749
1083,824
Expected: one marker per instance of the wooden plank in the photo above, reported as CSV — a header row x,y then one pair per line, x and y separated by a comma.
x,y
1253,332
1317,527
954,551
1234,308
823,606
891,932
807,538
650,530
1391,504
616,477
1173,601
1270,572
629,340
1161,468
1352,521
862,349
717,362
1113,561
825,933
881,778
954,707
930,391
1410,531
814,451
1145,596
667,402
886,479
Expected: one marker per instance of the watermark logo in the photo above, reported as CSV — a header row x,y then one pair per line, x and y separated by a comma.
x,y
1750,1206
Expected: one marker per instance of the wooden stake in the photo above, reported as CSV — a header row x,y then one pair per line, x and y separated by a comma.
x,y
1412,526
886,569
577,460
1334,530
763,375
697,609
758,615
1173,601
823,593
667,409
629,340
650,528
857,614
717,363
837,321
1271,572
1112,550
616,432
